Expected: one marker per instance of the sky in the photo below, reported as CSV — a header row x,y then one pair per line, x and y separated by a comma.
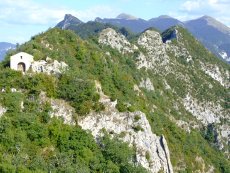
x,y
22,19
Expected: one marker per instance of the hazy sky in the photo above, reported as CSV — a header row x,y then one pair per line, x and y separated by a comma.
x,y
21,19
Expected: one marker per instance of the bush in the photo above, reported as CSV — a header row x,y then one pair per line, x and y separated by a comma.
x,y
137,118
137,128
121,107
80,93
120,153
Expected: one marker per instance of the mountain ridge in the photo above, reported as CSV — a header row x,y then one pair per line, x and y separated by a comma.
x,y
163,23
157,102
126,16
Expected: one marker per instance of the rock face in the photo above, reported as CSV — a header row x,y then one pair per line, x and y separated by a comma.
x,y
147,84
60,109
206,112
210,113
150,40
117,41
223,77
178,50
156,53
49,66
151,150
68,20
63,110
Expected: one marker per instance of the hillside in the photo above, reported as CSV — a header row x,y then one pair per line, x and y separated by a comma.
x,y
121,106
211,33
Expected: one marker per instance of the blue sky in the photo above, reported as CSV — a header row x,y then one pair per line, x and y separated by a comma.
x,y
21,19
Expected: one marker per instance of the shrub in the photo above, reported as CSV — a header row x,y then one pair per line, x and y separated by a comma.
x,y
137,118
137,128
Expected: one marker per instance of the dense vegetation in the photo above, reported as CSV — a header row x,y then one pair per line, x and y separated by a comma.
x,y
31,141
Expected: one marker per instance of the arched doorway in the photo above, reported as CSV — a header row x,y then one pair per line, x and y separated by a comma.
x,y
21,67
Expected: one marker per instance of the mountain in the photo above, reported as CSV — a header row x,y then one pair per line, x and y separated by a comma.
x,y
4,47
69,20
125,20
164,22
125,16
91,28
213,34
138,25
144,105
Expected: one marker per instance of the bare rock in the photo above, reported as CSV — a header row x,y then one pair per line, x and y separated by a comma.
x,y
147,84
136,131
116,40
60,109
49,67
156,53
218,74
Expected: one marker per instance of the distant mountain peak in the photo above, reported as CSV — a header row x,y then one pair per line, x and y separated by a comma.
x,y
68,16
164,16
68,20
215,23
126,16
206,17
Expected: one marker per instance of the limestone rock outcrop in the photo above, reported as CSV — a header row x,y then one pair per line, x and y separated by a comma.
x,y
205,112
151,150
209,113
156,53
49,66
223,77
150,40
147,84
60,109
117,41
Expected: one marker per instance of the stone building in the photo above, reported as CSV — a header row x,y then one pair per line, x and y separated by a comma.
x,y
21,61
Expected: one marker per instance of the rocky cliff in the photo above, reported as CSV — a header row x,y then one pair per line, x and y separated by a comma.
x,y
156,55
133,127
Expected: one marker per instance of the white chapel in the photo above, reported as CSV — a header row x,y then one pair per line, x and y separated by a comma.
x,y
21,61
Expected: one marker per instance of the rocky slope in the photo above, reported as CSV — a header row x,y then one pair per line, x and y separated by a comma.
x,y
156,58
162,97
151,151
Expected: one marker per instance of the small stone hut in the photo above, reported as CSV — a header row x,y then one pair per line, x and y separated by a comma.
x,y
21,61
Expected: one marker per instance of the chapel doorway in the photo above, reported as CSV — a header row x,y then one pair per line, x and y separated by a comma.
x,y
21,67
